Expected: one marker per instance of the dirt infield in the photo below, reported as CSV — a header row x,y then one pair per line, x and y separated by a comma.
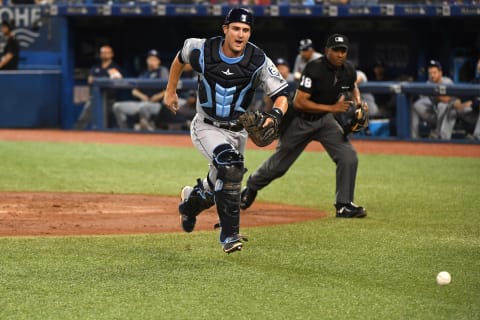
x,y
42,213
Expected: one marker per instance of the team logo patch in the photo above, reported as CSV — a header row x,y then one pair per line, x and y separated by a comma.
x,y
273,71
227,72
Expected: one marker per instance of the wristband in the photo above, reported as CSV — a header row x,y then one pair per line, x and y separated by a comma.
x,y
277,113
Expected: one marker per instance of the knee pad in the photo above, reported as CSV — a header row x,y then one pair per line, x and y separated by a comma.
x,y
230,167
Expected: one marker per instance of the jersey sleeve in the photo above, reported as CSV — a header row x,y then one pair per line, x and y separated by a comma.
x,y
296,66
306,79
271,81
446,80
189,45
164,73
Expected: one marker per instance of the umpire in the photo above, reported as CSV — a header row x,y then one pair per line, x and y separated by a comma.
x,y
320,95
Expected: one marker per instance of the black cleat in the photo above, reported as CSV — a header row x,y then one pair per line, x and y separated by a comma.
x,y
350,210
193,201
187,221
247,198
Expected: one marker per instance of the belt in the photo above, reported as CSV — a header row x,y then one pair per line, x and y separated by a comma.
x,y
310,116
231,125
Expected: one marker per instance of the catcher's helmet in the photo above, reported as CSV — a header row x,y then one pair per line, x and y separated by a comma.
x,y
239,15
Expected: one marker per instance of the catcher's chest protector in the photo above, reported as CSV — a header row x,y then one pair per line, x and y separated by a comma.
x,y
226,90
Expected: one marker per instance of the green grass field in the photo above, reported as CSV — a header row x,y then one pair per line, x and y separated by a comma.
x,y
424,217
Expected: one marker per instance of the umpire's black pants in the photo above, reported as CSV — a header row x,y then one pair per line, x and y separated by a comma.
x,y
294,140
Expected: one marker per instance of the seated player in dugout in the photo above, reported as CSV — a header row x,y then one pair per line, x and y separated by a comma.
x,y
11,51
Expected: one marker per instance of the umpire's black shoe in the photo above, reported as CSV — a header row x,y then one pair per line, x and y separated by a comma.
x,y
247,197
350,210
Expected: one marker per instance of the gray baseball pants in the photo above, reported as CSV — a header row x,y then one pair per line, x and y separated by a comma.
x,y
206,138
442,115
129,108
292,143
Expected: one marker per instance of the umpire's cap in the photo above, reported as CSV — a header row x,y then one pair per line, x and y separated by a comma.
x,y
239,15
337,41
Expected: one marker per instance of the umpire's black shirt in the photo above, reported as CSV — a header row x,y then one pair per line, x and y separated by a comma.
x,y
324,82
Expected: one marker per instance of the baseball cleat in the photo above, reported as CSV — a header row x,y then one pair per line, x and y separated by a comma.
x,y
232,247
187,221
234,243
350,210
193,201
186,191
247,197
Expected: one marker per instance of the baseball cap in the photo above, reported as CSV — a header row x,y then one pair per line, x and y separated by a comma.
x,y
152,52
305,44
281,61
434,63
337,41
239,15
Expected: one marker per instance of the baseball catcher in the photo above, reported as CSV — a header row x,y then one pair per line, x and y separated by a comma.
x,y
230,69
355,119
261,132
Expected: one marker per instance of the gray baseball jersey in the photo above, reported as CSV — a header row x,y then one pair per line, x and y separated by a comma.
x,y
226,87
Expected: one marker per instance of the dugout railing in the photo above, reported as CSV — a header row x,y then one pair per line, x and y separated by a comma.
x,y
401,90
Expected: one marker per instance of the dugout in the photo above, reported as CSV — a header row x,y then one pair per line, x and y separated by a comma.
x,y
66,37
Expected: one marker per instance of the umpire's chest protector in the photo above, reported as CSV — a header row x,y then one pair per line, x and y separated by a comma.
x,y
226,89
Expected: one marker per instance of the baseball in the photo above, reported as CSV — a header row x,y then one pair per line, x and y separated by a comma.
x,y
443,278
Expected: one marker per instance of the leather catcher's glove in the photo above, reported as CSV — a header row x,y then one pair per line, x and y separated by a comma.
x,y
355,119
253,123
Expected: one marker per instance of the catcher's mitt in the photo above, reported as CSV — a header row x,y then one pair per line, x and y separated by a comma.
x,y
354,119
253,123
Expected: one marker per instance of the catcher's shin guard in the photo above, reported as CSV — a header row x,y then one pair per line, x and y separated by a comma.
x,y
230,170
193,204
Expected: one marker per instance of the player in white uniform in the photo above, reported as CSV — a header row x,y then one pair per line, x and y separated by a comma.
x,y
230,69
